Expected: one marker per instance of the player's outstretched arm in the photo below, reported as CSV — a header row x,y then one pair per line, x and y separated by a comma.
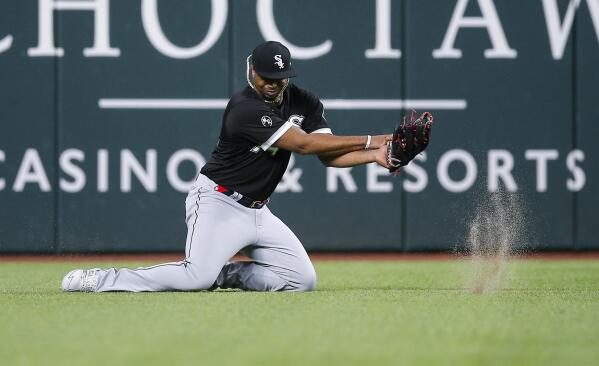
x,y
298,141
354,158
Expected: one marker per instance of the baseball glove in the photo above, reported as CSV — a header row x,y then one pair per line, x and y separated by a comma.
x,y
409,139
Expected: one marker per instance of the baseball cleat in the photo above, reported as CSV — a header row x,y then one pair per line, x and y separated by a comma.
x,y
84,280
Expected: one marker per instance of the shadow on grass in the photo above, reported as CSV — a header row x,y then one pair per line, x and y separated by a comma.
x,y
221,292
454,289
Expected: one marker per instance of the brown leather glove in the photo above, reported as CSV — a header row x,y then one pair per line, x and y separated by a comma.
x,y
409,139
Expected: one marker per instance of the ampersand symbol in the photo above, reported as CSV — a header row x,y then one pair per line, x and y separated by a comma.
x,y
290,181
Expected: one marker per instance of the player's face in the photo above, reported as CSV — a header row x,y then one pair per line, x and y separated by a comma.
x,y
269,88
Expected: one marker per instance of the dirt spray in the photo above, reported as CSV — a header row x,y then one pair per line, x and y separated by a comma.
x,y
497,231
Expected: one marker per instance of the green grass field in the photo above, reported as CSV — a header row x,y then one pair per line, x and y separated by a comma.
x,y
364,313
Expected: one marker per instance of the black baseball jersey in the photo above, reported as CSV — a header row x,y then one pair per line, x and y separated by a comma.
x,y
244,159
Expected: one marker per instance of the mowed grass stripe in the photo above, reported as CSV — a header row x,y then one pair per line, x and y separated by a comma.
x,y
383,313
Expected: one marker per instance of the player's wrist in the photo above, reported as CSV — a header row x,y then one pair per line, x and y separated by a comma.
x,y
372,156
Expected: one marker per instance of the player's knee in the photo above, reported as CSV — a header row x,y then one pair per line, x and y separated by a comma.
x,y
200,280
197,284
204,284
307,280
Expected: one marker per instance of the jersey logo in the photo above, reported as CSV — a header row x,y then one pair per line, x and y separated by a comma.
x,y
296,120
271,150
279,61
266,121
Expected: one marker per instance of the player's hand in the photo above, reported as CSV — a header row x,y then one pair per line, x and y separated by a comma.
x,y
381,156
379,140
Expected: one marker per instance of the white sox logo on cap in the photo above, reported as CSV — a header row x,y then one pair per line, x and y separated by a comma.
x,y
266,121
279,61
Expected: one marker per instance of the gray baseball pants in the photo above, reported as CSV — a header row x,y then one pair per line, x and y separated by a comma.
x,y
218,228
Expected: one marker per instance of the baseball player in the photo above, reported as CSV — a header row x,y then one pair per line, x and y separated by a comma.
x,y
227,208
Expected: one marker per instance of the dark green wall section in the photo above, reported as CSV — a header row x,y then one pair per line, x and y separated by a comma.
x,y
586,116
81,174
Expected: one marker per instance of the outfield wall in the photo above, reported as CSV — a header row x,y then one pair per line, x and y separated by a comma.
x,y
110,107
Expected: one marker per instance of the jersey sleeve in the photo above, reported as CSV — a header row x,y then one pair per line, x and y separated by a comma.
x,y
257,123
315,120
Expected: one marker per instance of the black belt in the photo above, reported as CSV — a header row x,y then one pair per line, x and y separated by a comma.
x,y
241,199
